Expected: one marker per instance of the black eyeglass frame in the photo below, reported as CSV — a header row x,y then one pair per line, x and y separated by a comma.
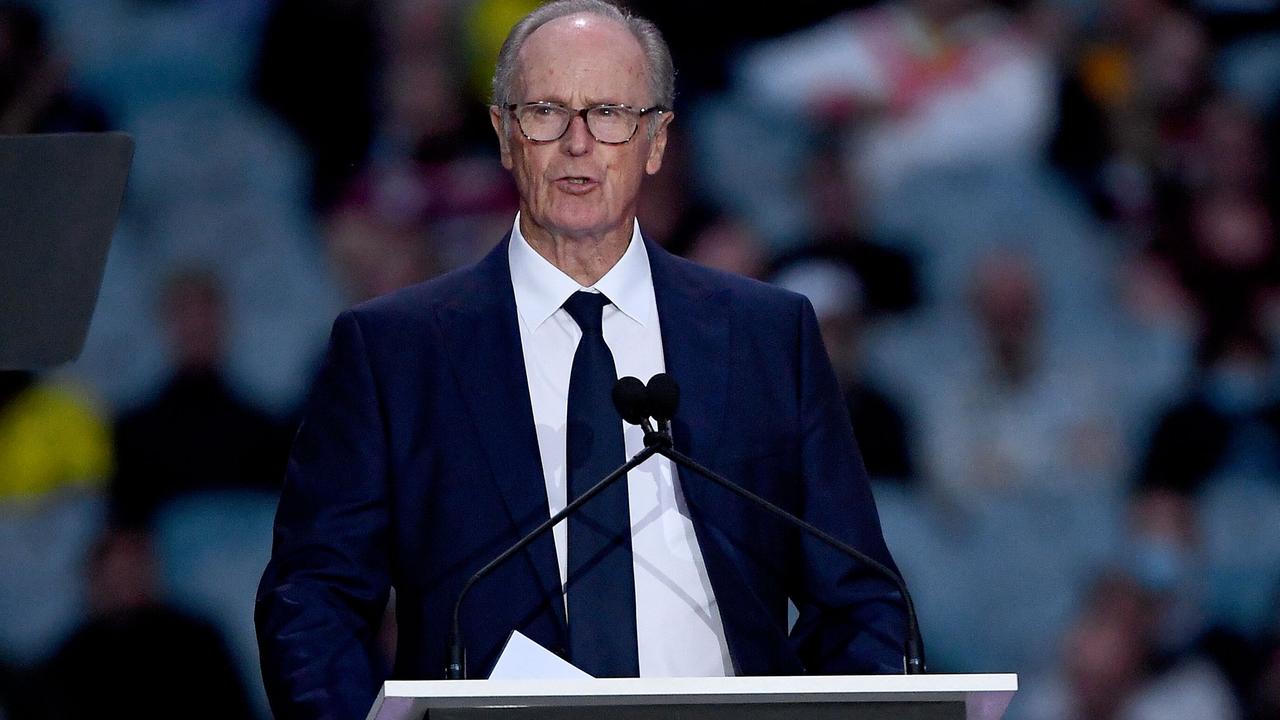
x,y
582,113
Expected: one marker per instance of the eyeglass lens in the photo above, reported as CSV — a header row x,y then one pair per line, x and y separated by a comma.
x,y
544,123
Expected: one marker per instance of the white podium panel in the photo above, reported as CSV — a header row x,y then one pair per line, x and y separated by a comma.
x,y
857,697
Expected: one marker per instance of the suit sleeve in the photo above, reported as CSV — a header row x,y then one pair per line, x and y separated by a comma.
x,y
851,620
326,586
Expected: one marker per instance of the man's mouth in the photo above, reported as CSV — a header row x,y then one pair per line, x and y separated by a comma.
x,y
576,184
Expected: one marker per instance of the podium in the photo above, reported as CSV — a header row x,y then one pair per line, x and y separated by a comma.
x,y
808,697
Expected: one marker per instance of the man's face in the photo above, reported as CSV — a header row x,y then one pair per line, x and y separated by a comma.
x,y
577,187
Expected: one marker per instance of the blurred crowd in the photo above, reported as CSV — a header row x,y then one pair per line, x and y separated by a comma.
x,y
1040,235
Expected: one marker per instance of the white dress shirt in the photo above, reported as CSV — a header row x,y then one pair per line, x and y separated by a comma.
x,y
677,620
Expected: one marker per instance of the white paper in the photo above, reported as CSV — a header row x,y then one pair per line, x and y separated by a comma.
x,y
524,659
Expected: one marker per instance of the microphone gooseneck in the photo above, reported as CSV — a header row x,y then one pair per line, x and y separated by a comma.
x,y
636,403
663,399
914,651
456,669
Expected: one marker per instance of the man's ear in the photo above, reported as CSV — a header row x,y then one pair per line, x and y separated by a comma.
x,y
658,145
496,116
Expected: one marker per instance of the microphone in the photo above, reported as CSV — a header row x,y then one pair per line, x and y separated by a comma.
x,y
663,397
631,399
635,404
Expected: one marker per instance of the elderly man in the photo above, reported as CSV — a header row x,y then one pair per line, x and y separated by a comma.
x,y
454,416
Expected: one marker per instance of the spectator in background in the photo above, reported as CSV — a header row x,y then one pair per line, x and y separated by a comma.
x,y
1012,412
1110,667
429,172
402,222
317,68
1102,657
1134,86
1231,155
377,241
55,458
886,274
852,280
1230,421
136,657
196,433
51,440
1186,549
1223,249
670,207
1165,549
1216,233
377,91
730,244
484,26
423,89
1171,84
1205,501
920,84
35,96
704,38
878,422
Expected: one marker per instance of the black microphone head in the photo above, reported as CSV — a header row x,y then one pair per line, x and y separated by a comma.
x,y
664,397
631,399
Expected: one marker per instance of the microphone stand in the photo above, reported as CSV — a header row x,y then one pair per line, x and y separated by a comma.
x,y
457,667
661,443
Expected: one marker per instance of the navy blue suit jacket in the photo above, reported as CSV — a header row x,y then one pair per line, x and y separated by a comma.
x,y
417,462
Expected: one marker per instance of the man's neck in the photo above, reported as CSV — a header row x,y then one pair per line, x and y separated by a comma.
x,y
586,259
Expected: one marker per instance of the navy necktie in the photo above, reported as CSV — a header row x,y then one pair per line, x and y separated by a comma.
x,y
600,586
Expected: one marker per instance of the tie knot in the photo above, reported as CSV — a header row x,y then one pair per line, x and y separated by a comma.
x,y
587,309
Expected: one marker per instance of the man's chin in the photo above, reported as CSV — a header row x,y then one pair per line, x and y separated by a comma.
x,y
579,227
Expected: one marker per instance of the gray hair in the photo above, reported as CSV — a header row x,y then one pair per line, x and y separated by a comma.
x,y
662,80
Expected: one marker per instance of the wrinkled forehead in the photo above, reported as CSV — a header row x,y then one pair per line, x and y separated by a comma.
x,y
583,59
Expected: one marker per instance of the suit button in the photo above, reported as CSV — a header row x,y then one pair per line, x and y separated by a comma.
x,y
561,650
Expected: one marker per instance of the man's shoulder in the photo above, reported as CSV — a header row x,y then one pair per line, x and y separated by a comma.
x,y
742,292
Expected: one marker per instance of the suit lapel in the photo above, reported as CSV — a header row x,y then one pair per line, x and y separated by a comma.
x,y
481,331
694,317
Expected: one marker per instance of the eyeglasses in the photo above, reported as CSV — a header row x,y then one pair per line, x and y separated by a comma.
x,y
609,124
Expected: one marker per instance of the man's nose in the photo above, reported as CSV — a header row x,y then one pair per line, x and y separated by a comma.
x,y
577,138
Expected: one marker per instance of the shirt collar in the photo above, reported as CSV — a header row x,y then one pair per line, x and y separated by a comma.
x,y
541,288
